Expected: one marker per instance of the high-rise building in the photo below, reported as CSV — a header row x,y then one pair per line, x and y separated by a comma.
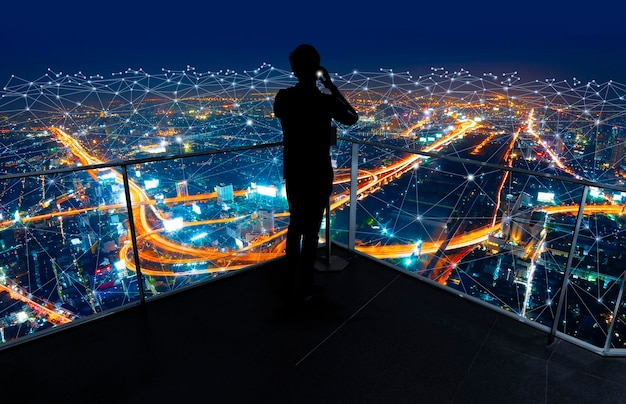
x,y
520,224
265,221
224,193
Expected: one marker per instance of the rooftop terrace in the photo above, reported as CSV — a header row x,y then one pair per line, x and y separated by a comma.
x,y
374,335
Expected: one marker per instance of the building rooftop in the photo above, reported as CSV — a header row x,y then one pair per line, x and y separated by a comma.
x,y
374,335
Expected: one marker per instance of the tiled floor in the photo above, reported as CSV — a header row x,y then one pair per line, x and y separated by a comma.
x,y
374,336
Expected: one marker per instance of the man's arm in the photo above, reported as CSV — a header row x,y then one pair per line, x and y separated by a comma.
x,y
346,115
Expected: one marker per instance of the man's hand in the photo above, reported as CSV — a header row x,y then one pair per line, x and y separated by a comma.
x,y
325,78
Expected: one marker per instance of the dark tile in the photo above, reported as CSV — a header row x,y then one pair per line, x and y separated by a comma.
x,y
572,385
500,375
577,359
517,336
374,335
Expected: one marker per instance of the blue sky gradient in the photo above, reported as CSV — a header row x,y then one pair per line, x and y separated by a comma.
x,y
539,39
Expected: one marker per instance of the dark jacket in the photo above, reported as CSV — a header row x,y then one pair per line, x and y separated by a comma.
x,y
306,115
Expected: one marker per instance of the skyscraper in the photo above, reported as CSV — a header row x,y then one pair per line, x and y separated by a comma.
x,y
224,193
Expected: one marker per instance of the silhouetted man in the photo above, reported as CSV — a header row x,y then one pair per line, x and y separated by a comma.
x,y
306,115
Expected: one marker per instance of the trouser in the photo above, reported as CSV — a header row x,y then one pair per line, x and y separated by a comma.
x,y
307,202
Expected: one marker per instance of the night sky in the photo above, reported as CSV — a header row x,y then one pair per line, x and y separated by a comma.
x,y
538,39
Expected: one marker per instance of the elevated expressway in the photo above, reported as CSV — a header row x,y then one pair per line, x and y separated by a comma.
x,y
255,251
165,251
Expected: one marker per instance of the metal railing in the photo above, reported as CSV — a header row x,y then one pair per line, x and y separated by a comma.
x,y
573,318
497,256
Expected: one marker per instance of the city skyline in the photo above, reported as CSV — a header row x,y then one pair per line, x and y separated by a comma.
x,y
496,225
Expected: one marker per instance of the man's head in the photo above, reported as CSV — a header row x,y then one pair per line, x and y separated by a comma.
x,y
305,61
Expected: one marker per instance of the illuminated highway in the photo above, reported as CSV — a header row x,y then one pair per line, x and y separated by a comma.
x,y
145,233
212,260
44,308
218,261
370,180
245,256
66,241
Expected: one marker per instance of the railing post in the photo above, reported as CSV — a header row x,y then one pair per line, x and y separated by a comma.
x,y
618,303
331,263
133,235
354,170
568,266
327,259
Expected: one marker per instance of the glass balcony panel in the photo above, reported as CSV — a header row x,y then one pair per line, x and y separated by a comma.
x,y
507,216
60,242
498,235
201,217
596,273
411,210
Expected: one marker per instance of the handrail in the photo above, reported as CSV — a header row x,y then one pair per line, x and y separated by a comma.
x,y
553,331
606,349
435,155
496,166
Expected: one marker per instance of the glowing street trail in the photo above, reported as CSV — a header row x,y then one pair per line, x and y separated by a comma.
x,y
244,257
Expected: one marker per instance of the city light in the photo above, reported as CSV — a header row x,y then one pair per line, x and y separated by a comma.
x,y
151,184
199,236
173,224
547,197
201,216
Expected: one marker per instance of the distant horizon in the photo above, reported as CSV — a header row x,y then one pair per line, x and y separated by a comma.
x,y
523,72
